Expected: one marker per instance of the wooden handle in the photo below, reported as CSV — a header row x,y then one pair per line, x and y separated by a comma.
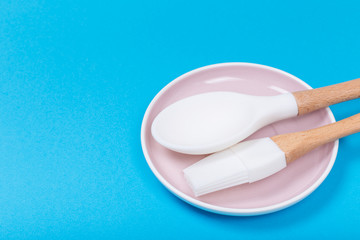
x,y
314,99
295,145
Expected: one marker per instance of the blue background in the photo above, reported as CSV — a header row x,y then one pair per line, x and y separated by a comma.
x,y
77,76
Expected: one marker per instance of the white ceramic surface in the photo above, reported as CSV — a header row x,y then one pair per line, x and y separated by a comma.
x,y
279,191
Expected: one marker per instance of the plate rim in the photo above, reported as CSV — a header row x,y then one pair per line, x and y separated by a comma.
x,y
225,210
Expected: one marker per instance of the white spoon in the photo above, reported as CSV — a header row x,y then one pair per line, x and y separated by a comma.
x,y
210,122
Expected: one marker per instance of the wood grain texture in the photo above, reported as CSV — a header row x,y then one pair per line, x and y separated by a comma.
x,y
295,145
314,99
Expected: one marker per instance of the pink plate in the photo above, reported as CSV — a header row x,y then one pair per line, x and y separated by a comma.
x,y
279,191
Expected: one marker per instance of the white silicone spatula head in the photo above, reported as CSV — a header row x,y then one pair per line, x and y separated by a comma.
x,y
245,162
210,122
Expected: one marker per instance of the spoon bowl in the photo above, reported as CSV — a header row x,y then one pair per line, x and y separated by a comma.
x,y
210,122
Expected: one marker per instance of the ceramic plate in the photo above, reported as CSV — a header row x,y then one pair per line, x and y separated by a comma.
x,y
279,191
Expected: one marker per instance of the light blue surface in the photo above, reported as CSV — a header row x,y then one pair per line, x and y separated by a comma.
x,y
76,78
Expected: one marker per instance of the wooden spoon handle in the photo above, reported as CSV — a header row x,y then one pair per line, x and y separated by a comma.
x,y
295,145
314,99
